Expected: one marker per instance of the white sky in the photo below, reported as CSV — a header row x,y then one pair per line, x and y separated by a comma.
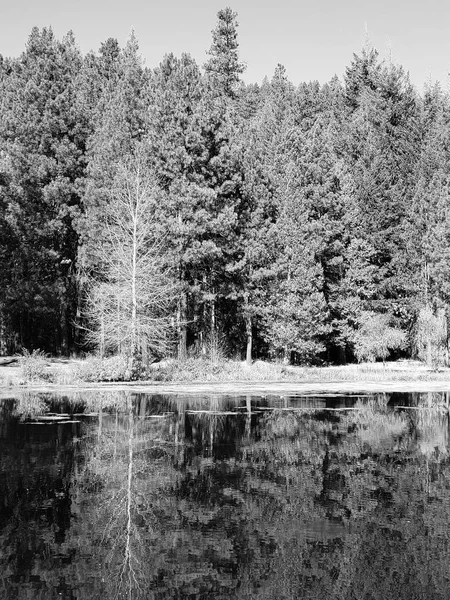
x,y
313,39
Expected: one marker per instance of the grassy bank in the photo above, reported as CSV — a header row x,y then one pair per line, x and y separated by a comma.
x,y
33,369
196,370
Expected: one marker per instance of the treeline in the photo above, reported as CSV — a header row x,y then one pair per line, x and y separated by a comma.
x,y
310,222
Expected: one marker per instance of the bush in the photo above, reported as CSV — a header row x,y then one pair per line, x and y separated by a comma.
x,y
431,336
33,365
204,370
375,338
94,368
136,368
189,370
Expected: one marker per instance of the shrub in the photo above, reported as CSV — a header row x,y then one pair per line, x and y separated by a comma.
x,y
216,347
431,336
94,368
375,338
205,370
136,367
33,365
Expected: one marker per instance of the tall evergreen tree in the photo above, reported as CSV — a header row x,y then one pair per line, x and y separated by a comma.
x,y
427,231
43,142
382,151
223,66
175,145
256,245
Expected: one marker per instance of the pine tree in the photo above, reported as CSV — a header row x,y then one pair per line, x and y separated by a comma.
x,y
175,145
380,151
223,67
310,233
427,232
218,178
43,141
256,243
264,140
192,139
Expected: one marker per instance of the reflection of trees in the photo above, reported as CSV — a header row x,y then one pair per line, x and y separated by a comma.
x,y
432,425
166,533
36,472
182,498
358,516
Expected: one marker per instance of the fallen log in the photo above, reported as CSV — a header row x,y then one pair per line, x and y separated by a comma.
x,y
4,362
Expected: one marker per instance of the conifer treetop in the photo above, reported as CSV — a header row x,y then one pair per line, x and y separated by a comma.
x,y
223,65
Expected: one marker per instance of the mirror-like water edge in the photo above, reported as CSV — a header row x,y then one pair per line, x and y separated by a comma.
x,y
127,495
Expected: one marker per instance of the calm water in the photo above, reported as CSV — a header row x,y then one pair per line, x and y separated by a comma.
x,y
271,497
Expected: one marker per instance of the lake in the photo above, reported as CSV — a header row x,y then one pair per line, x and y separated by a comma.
x,y
122,495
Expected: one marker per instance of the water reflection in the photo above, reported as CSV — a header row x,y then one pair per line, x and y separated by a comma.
x,y
122,495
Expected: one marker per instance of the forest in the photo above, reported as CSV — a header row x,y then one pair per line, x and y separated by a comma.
x,y
176,210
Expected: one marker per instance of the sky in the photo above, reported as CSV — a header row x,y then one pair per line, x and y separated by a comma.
x,y
313,39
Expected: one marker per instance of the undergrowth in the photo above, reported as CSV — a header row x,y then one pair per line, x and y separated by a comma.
x,y
33,366
94,368
203,370
370,372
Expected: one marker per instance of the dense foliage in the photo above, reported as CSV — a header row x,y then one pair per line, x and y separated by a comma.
x,y
309,223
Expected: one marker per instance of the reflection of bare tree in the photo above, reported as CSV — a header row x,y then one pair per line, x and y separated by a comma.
x,y
128,569
131,467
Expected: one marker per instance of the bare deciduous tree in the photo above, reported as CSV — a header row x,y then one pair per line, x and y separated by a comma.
x,y
129,300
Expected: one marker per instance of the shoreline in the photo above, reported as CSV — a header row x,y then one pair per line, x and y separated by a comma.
x,y
241,388
237,378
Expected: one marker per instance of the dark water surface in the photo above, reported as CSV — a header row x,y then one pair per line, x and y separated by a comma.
x,y
158,497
